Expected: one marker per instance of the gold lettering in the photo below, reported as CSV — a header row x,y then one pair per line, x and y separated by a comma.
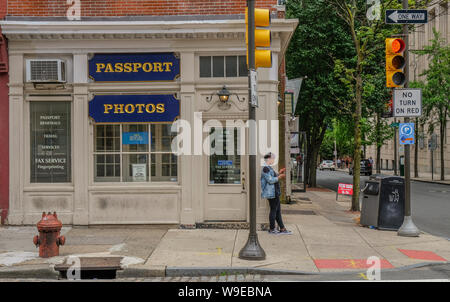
x,y
127,67
148,110
119,67
160,108
127,108
147,67
136,67
107,108
139,107
168,65
157,67
118,107
109,68
100,66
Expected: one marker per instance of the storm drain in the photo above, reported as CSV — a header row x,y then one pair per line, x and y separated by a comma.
x,y
298,212
89,267
303,198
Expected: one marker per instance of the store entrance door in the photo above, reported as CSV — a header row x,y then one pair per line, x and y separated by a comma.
x,y
225,197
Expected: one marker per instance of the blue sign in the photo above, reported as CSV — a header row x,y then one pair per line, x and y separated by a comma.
x,y
225,162
406,133
150,108
135,138
137,67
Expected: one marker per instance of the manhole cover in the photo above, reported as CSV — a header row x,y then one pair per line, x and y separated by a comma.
x,y
299,212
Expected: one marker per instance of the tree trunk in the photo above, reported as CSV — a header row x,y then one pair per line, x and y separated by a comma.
x,y
378,143
442,132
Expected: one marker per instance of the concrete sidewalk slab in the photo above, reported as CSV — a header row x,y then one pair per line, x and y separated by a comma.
x,y
194,248
283,252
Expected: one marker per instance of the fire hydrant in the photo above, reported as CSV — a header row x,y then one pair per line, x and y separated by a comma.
x,y
49,239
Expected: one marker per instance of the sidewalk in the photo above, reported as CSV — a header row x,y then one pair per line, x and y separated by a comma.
x,y
325,238
423,176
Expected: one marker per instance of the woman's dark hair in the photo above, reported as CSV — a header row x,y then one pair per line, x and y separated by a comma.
x,y
268,155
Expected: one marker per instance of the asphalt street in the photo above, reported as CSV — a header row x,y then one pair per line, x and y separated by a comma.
x,y
430,203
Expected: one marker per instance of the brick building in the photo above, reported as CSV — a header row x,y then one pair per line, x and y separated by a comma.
x,y
94,97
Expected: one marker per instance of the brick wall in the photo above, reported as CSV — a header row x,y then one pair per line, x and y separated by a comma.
x,y
104,8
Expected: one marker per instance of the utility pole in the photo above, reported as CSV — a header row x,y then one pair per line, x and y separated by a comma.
x,y
408,229
395,149
252,249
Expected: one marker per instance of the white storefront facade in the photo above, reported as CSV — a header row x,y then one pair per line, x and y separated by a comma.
x,y
89,170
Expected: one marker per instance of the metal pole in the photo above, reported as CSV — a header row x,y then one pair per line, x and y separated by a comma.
x,y
252,249
395,150
408,229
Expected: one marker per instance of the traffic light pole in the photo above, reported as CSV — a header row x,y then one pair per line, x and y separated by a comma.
x,y
252,249
408,228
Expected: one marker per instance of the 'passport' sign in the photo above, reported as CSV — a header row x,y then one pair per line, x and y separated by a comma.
x,y
134,108
137,67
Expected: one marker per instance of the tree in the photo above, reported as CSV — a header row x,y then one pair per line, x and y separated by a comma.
x,y
436,89
367,36
320,38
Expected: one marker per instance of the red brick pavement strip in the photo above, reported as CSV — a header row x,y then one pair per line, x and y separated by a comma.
x,y
348,263
423,255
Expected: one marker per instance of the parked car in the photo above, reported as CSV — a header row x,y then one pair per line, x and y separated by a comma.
x,y
366,167
327,164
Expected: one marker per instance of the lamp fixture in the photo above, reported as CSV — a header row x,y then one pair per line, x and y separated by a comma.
x,y
224,95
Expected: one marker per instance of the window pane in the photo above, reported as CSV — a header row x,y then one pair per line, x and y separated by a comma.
x,y
218,66
224,168
243,71
107,138
205,67
50,142
135,138
135,167
107,168
231,66
164,167
161,137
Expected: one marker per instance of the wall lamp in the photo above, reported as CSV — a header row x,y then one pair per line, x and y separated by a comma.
x,y
224,95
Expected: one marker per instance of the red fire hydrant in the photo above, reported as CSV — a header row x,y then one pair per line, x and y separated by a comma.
x,y
49,240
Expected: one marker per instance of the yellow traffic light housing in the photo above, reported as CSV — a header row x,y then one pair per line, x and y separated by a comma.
x,y
395,62
263,57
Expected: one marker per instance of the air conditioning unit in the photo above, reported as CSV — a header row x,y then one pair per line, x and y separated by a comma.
x,y
46,71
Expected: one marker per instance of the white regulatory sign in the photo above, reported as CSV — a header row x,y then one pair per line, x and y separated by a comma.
x,y
407,102
254,88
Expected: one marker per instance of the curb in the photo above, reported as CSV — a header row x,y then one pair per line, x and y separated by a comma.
x,y
47,272
29,271
430,181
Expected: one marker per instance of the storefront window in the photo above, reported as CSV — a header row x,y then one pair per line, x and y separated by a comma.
x,y
225,165
125,153
50,135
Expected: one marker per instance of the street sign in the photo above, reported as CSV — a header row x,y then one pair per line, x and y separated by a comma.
x,y
407,102
394,125
254,88
406,16
406,133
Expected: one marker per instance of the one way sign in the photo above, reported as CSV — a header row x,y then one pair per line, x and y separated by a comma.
x,y
408,16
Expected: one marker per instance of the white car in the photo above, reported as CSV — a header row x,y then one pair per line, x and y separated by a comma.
x,y
327,164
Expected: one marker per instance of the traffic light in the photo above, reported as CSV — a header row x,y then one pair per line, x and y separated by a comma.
x,y
395,62
263,57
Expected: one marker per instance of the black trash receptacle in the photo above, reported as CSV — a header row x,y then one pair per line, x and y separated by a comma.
x,y
383,202
392,203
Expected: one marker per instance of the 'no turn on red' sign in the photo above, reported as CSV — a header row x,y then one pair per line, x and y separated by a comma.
x,y
407,102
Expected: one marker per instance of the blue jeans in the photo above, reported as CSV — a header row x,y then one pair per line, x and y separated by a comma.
x,y
275,213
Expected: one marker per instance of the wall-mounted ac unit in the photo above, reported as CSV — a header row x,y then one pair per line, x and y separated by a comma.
x,y
46,71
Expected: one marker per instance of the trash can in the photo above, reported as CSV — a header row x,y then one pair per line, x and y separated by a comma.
x,y
402,165
383,203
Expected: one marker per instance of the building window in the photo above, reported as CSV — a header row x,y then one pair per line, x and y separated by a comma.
x,y
225,162
223,66
134,153
50,135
